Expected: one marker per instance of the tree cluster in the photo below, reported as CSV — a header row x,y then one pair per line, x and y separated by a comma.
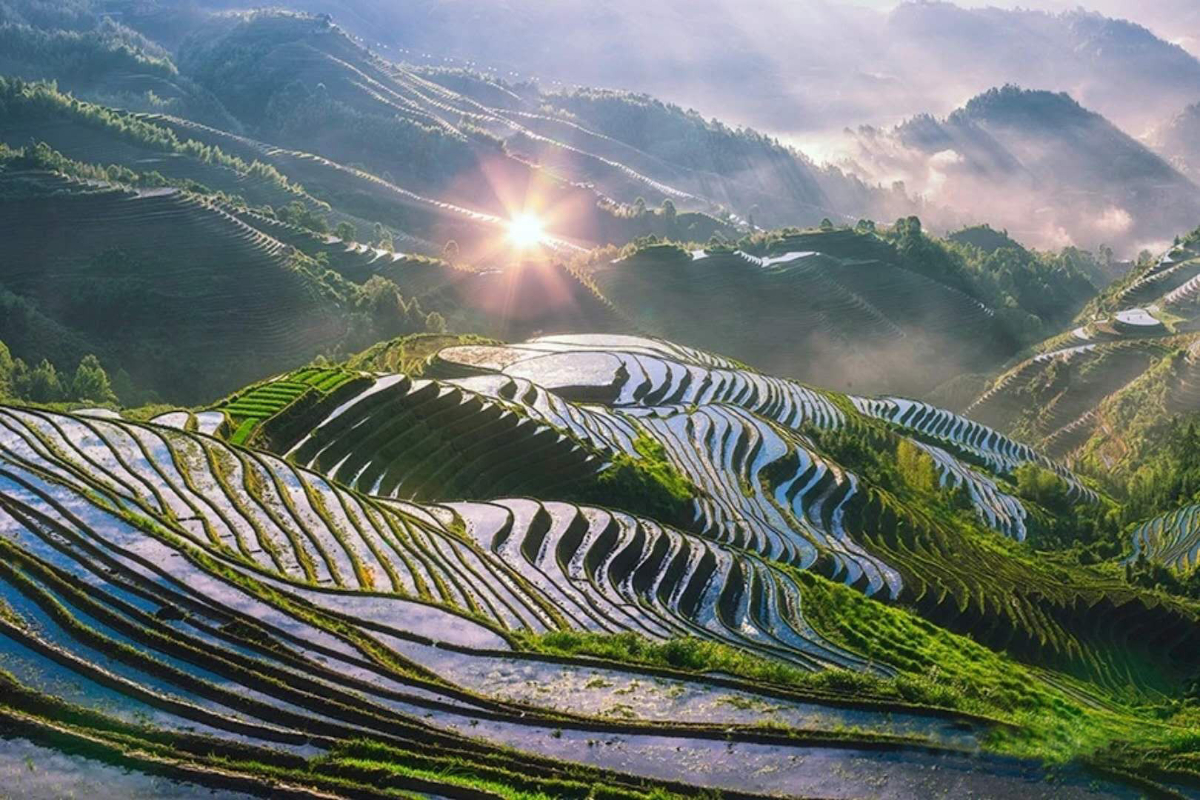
x,y
44,383
1033,292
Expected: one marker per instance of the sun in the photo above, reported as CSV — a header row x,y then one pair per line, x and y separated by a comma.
x,y
525,231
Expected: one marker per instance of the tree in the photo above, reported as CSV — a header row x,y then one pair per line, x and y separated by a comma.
x,y
668,211
124,388
6,371
917,467
297,213
639,207
91,384
346,232
450,251
435,323
381,300
43,384
19,380
908,227
1042,487
826,225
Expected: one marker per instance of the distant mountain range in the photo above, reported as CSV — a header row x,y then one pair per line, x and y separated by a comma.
x,y
818,65
368,198
1041,164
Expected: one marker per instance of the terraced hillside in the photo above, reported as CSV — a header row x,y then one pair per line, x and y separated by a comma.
x,y
1130,353
546,534
875,327
387,164
159,575
82,43
1115,397
184,296
471,123
415,581
764,466
461,139
185,153
1171,540
193,294
90,133
838,307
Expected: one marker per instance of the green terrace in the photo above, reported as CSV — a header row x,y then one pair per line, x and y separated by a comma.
x,y
264,401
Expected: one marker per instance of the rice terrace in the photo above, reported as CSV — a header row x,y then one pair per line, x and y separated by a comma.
x,y
599,400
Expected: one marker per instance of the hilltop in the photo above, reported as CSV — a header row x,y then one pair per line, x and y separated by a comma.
x,y
1041,164
874,308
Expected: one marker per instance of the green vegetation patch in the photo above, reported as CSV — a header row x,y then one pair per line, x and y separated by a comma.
x,y
648,484
1055,721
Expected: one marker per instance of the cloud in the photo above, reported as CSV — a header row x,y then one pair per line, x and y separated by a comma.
x,y
1114,221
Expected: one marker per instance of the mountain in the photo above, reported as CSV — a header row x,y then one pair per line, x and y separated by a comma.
x,y
378,422
1117,67
1176,140
482,144
1047,168
478,137
157,282
343,580
1175,21
294,209
803,72
1115,398
79,44
190,294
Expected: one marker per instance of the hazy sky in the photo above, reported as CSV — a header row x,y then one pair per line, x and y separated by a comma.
x,y
1107,6
1173,20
